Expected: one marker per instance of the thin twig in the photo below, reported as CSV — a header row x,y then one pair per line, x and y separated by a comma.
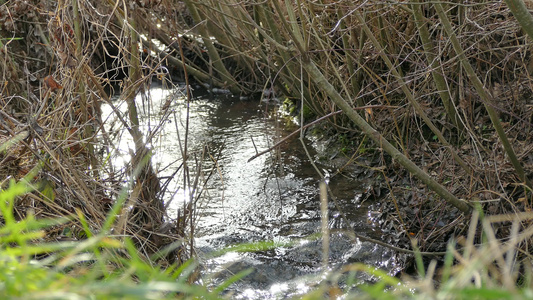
x,y
311,124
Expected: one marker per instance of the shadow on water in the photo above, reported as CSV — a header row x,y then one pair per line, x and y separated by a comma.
x,y
271,198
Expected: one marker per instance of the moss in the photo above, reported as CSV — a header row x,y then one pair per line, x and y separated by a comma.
x,y
308,112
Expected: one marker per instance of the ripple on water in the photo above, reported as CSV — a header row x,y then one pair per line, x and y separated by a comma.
x,y
273,197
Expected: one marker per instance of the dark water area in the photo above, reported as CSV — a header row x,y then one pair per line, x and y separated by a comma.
x,y
271,198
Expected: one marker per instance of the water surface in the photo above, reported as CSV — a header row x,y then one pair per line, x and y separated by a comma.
x,y
271,198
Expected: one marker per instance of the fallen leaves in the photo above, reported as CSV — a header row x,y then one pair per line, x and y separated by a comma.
x,y
51,83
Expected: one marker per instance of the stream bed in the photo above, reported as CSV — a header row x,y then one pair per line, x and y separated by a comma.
x,y
271,198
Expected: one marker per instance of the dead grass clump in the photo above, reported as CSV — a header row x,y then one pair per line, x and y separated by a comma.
x,y
51,126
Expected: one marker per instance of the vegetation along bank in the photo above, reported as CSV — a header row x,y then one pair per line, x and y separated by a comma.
x,y
434,98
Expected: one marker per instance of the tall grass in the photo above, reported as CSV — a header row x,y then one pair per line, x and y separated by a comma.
x,y
100,267
489,270
106,267
52,117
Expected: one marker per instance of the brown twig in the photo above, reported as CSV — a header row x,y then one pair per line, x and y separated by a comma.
x,y
312,123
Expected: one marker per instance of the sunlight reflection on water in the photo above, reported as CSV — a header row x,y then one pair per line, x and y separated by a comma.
x,y
272,198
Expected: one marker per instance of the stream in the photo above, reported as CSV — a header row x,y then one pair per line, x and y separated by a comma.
x,y
271,198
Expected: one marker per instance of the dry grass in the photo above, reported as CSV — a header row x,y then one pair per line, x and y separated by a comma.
x,y
53,97
372,53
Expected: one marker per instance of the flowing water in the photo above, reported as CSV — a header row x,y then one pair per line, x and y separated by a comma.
x,y
271,198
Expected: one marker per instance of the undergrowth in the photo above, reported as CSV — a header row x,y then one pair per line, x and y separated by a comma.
x,y
104,266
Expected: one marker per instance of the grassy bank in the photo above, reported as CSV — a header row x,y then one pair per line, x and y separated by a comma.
x,y
103,266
